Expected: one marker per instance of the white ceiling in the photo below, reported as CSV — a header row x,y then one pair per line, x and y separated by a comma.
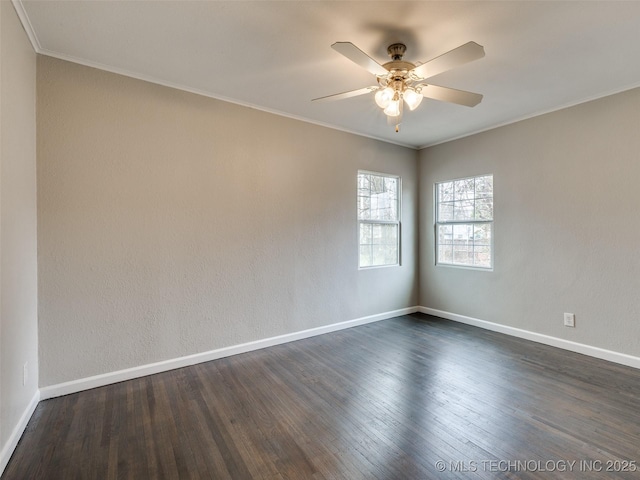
x,y
276,55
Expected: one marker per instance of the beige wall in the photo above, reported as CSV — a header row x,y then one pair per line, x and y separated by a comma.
x,y
18,271
171,224
566,224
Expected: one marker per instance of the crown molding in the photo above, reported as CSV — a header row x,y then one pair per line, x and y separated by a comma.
x,y
26,24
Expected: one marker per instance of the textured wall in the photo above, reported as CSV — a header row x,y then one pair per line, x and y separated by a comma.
x,y
18,255
172,224
566,224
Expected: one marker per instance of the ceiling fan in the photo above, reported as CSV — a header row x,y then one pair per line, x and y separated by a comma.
x,y
400,80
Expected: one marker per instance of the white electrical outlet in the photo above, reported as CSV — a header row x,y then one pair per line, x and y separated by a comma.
x,y
25,373
569,320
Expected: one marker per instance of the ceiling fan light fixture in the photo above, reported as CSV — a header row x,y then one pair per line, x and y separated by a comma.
x,y
384,96
412,98
398,80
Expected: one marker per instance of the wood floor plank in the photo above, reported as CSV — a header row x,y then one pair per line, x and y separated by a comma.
x,y
414,397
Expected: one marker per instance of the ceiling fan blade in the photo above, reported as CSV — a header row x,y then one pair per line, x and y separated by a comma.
x,y
454,58
356,55
349,94
452,95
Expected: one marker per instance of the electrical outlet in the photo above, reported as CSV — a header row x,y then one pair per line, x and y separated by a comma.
x,y
569,320
25,373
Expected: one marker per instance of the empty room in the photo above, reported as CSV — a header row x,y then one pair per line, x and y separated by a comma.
x,y
319,239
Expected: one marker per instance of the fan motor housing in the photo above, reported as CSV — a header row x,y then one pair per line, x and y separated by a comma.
x,y
396,52
399,66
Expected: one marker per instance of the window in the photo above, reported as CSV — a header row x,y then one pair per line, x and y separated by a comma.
x,y
464,222
378,219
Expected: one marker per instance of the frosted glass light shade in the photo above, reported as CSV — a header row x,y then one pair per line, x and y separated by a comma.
x,y
393,109
383,97
412,98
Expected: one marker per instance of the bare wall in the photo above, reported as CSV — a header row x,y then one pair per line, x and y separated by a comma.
x,y
18,254
566,224
171,224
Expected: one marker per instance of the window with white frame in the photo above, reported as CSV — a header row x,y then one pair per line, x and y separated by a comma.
x,y
378,219
464,222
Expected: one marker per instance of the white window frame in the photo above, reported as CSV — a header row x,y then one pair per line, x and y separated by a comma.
x,y
473,222
364,221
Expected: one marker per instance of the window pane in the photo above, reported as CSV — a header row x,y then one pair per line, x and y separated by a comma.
x,y
462,254
391,186
445,254
462,232
376,182
384,255
482,256
366,257
445,192
365,234
482,234
445,211
484,186
384,234
463,210
464,189
390,235
364,208
445,234
484,209
364,181
384,206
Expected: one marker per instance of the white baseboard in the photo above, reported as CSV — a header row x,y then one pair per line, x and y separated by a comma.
x,y
12,442
611,356
166,365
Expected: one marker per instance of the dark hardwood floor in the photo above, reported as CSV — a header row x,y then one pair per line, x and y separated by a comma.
x,y
414,397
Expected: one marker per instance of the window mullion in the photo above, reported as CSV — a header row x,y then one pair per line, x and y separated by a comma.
x,y
383,222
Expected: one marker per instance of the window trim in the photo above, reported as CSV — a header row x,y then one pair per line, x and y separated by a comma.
x,y
397,222
437,223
